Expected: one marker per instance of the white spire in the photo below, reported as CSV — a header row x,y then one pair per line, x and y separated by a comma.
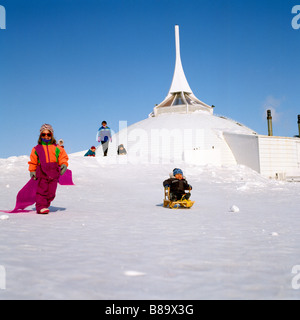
x,y
180,98
179,82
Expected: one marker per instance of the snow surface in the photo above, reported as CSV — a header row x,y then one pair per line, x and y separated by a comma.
x,y
108,237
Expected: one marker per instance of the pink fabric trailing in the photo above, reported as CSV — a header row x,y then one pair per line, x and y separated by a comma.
x,y
27,195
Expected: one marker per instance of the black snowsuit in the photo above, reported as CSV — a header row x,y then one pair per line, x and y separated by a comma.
x,y
177,188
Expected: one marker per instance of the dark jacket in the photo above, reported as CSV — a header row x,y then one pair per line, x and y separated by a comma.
x,y
177,186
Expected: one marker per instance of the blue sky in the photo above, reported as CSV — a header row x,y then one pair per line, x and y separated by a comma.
x,y
74,63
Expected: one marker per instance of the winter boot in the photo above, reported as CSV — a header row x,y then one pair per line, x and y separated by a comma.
x,y
43,211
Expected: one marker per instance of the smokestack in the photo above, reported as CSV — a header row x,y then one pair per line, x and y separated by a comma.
x,y
270,128
299,124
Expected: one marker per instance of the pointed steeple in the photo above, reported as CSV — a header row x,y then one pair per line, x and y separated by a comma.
x,y
180,98
179,82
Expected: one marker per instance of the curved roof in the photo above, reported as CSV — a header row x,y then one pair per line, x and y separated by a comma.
x,y
170,137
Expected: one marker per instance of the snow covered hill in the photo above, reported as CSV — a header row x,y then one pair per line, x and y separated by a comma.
x,y
108,237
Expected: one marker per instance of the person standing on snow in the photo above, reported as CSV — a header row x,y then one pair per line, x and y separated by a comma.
x,y
47,162
104,136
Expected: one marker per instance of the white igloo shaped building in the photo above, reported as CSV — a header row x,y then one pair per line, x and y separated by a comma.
x,y
195,138
182,128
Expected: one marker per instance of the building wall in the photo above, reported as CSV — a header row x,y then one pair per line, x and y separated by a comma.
x,y
279,157
181,109
244,148
273,157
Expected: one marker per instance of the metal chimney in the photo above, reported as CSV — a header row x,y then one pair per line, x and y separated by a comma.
x,y
299,124
270,128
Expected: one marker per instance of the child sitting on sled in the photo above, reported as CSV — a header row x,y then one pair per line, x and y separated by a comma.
x,y
178,185
91,152
47,162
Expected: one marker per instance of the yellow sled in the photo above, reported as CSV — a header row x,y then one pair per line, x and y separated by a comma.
x,y
176,204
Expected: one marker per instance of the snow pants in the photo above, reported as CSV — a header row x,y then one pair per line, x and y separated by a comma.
x,y
46,192
179,196
48,176
105,147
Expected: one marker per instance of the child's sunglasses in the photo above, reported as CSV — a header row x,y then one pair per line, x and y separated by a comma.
x,y
46,135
